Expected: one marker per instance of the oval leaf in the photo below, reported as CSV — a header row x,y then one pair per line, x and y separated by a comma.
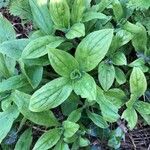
x,y
24,141
120,76
119,59
76,31
50,95
45,118
138,83
93,48
62,62
13,83
131,117
109,111
106,75
97,119
6,121
37,47
13,48
32,73
85,87
77,10
41,15
48,139
60,13
7,31
70,128
142,107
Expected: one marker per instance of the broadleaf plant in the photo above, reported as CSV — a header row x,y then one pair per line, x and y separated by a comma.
x,y
82,70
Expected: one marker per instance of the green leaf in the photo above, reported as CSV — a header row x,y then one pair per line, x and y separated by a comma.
x,y
72,101
76,31
77,10
140,62
60,13
13,83
106,75
83,142
75,115
36,34
118,10
6,30
109,111
61,65
119,59
131,117
116,137
48,139
41,15
6,121
146,118
115,44
21,8
70,128
97,120
120,76
139,40
13,48
37,47
85,87
103,4
6,103
137,63
4,71
139,4
24,141
90,15
42,61
32,73
116,96
138,83
142,107
45,118
93,48
50,95
61,145
124,37
72,139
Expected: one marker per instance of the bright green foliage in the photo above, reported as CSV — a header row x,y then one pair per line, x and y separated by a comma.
x,y
106,75
60,13
70,128
82,73
138,84
6,120
50,95
93,48
61,65
21,8
41,15
130,116
48,139
37,47
76,31
24,141
6,31
45,118
84,88
97,119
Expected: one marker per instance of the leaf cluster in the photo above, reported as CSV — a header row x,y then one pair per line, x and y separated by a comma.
x,y
84,68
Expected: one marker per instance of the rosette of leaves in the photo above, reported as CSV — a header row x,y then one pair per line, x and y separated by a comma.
x,y
85,65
